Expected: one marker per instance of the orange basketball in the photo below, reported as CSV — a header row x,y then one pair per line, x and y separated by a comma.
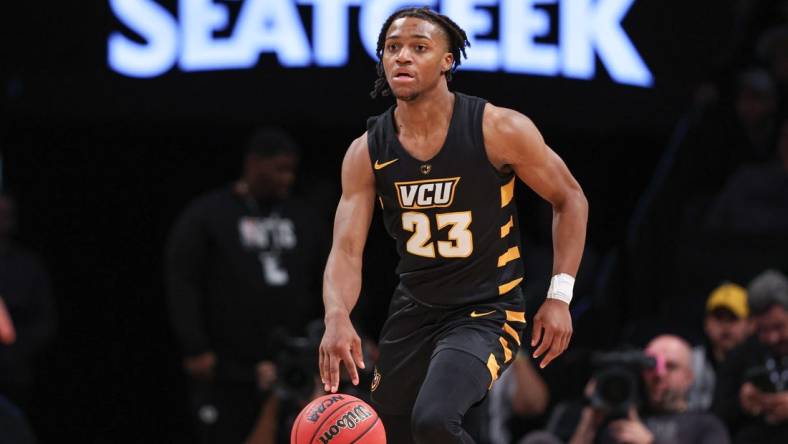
x,y
337,419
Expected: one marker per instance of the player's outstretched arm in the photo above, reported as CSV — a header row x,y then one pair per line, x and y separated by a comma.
x,y
342,278
512,140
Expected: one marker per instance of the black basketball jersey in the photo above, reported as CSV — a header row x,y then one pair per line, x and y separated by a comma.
x,y
453,216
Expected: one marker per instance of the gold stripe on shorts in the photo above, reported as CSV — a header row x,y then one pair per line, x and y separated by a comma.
x,y
507,353
515,316
492,365
512,332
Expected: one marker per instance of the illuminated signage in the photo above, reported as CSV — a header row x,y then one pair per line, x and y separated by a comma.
x,y
587,30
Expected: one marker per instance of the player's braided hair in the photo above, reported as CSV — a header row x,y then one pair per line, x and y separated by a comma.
x,y
458,41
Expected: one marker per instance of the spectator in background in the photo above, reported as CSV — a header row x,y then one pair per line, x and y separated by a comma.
x,y
13,425
773,49
25,292
736,132
752,391
663,419
755,199
726,325
756,106
243,268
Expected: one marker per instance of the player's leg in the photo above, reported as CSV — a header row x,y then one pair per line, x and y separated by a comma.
x,y
474,348
455,381
406,346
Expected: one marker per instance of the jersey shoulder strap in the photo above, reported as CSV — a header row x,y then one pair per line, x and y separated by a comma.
x,y
371,122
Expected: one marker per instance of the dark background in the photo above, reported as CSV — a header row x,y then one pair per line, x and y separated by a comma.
x,y
101,164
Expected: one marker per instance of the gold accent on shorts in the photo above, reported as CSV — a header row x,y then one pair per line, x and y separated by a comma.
x,y
492,365
507,352
515,316
512,332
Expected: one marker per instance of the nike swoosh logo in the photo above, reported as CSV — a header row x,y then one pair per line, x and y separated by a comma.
x,y
380,166
478,315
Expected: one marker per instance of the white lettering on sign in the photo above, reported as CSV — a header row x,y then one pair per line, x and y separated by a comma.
x,y
587,30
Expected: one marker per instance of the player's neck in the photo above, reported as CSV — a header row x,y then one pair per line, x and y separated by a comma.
x,y
422,114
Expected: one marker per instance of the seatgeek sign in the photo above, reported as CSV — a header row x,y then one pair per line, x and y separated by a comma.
x,y
586,30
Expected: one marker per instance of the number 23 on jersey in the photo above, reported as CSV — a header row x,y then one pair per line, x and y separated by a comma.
x,y
459,243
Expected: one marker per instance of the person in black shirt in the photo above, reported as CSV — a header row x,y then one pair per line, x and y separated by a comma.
x,y
443,167
243,268
752,391
726,325
25,292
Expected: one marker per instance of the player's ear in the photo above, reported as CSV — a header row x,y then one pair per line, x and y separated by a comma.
x,y
447,62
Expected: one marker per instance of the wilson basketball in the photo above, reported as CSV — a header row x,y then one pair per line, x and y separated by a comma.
x,y
337,419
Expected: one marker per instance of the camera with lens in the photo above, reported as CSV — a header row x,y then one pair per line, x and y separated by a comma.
x,y
618,379
297,363
768,377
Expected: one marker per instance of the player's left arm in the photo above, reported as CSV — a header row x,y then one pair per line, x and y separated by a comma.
x,y
513,142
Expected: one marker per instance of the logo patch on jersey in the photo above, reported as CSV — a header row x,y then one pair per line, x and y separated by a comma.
x,y
421,194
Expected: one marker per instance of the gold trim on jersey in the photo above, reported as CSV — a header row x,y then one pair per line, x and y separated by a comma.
x,y
507,193
507,352
423,194
512,332
510,255
515,316
507,287
381,203
492,365
507,228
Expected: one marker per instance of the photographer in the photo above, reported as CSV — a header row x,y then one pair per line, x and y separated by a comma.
x,y
616,415
752,392
242,262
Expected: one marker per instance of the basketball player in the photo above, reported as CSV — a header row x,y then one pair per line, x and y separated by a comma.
x,y
442,166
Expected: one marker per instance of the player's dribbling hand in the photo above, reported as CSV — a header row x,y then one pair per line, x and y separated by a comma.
x,y
340,343
553,317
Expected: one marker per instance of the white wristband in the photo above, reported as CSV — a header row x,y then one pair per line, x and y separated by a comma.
x,y
561,286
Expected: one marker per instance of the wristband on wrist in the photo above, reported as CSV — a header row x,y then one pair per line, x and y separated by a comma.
x,y
561,286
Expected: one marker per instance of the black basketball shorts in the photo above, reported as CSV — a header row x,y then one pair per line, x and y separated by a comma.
x,y
413,333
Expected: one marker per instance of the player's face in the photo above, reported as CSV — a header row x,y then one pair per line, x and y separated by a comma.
x,y
415,56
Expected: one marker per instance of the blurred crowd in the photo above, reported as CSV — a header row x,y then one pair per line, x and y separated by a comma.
x,y
682,332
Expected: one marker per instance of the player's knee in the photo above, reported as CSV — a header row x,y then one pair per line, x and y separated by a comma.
x,y
433,425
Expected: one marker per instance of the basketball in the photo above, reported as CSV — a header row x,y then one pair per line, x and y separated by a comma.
x,y
338,419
